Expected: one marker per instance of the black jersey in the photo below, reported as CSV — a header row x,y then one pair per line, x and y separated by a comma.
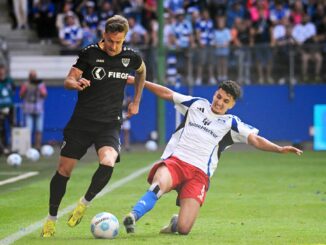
x,y
102,101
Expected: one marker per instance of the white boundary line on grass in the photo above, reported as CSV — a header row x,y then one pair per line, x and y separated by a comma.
x,y
37,225
19,177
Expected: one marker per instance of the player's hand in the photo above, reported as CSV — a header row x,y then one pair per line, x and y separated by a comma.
x,y
133,109
82,83
291,149
130,80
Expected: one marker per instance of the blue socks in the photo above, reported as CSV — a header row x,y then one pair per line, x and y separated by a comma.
x,y
144,205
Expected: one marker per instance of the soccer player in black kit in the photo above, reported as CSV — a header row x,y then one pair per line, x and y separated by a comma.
x,y
100,75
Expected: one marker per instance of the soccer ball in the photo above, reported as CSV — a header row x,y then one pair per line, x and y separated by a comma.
x,y
47,150
14,160
151,145
154,135
32,154
105,225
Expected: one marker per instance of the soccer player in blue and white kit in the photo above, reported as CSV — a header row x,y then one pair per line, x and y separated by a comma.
x,y
192,154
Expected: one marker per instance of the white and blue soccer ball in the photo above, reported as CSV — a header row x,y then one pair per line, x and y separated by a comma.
x,y
105,225
47,150
151,145
32,154
14,160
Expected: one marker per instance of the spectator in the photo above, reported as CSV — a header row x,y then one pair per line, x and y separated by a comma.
x,y
304,35
263,53
320,38
194,5
297,12
33,93
151,51
70,35
278,12
217,7
105,12
235,11
137,34
173,6
60,18
222,43
184,43
242,39
124,7
6,108
44,17
135,9
170,44
318,16
90,22
81,8
256,7
149,12
21,13
11,14
89,36
283,43
311,6
204,56
89,16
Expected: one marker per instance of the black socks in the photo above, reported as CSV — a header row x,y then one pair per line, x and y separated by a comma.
x,y
58,186
100,178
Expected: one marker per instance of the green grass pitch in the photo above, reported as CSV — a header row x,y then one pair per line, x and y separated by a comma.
x,y
254,198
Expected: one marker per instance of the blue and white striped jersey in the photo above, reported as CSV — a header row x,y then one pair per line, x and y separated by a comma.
x,y
203,135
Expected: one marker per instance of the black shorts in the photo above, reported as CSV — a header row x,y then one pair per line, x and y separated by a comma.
x,y
76,142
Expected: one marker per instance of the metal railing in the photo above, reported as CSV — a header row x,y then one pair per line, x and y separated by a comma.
x,y
260,64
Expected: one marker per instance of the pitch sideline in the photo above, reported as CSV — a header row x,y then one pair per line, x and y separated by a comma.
x,y
19,177
37,225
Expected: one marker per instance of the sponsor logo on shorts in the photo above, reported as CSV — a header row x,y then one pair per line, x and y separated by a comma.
x,y
202,193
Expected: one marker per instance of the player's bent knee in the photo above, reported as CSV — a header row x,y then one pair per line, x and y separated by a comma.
x,y
108,162
64,171
183,230
107,156
184,227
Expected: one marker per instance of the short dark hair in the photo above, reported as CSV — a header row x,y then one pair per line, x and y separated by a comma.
x,y
232,88
117,23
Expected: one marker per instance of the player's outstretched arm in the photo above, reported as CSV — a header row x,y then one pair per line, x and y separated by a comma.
x,y
159,90
266,145
74,80
139,81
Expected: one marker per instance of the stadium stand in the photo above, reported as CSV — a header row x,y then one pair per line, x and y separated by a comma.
x,y
49,67
255,54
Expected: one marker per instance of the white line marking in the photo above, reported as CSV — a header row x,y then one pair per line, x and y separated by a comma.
x,y
37,225
19,177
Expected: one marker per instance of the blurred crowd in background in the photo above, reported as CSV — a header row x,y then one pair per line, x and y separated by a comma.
x,y
253,41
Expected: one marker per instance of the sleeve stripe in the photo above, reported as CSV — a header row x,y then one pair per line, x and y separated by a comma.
x,y
189,102
235,125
